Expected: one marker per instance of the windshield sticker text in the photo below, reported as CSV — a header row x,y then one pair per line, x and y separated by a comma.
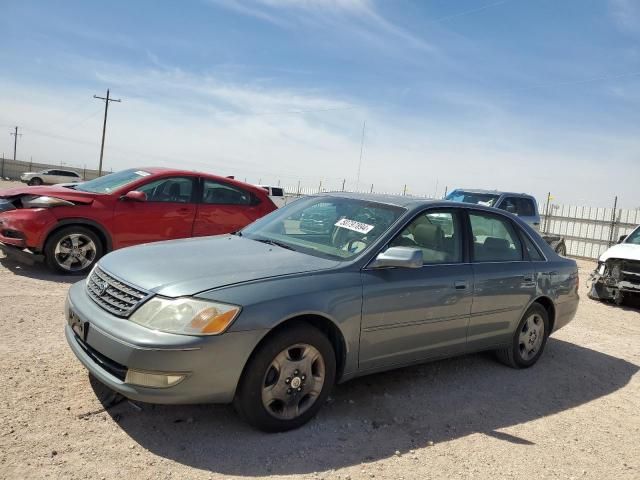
x,y
353,225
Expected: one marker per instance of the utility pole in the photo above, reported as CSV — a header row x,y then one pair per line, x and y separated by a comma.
x,y
104,125
15,142
364,125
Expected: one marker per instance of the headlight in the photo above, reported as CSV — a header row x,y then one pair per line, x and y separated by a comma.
x,y
44,202
185,316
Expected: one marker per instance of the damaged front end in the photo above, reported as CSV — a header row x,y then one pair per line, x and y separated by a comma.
x,y
614,279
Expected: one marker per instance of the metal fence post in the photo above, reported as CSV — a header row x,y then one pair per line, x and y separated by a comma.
x,y
546,214
371,191
613,221
2,174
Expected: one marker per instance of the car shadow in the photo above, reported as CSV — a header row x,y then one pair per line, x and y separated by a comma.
x,y
37,271
373,417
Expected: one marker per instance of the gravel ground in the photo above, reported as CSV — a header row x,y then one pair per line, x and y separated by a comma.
x,y
573,415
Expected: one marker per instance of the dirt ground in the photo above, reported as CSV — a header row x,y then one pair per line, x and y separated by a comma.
x,y
573,415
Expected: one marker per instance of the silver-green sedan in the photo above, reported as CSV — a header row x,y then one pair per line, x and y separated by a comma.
x,y
326,289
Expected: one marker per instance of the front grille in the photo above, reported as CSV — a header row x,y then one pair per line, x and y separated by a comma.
x,y
113,295
631,271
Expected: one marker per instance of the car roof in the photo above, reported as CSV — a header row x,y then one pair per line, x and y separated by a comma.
x,y
175,171
492,192
414,203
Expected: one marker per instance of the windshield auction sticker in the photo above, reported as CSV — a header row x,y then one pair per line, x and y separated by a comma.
x,y
353,225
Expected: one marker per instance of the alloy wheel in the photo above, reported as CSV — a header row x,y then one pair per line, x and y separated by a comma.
x,y
75,252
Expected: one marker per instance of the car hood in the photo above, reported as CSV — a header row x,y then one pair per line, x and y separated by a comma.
x,y
625,251
185,267
57,191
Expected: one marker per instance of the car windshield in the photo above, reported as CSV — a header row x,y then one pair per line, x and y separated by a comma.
x,y
634,237
328,227
111,182
487,199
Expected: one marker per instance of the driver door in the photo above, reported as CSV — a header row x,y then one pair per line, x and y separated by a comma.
x,y
168,213
409,314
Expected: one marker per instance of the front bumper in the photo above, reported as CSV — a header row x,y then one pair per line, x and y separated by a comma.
x,y
606,286
213,364
26,227
20,255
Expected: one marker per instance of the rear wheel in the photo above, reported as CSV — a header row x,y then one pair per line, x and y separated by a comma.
x,y
35,181
73,249
287,379
529,339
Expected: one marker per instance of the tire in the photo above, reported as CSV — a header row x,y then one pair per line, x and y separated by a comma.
x,y
35,181
561,250
519,355
267,398
107,397
73,250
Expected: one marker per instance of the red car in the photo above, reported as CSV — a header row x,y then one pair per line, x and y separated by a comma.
x,y
72,226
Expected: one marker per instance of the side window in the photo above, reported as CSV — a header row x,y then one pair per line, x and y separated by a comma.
x,y
532,250
277,192
173,189
223,194
437,233
520,206
494,238
510,205
526,207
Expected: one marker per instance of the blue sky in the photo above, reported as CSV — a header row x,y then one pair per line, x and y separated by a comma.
x,y
527,95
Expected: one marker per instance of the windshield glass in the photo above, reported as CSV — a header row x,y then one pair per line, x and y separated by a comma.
x,y
486,199
328,227
634,237
111,182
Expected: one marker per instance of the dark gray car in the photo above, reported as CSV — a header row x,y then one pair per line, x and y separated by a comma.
x,y
271,317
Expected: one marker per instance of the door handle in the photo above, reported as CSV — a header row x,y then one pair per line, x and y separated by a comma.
x,y
460,284
183,209
527,278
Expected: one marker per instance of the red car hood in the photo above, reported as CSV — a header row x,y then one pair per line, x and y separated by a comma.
x,y
64,193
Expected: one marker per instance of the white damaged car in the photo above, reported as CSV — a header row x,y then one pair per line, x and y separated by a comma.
x,y
618,272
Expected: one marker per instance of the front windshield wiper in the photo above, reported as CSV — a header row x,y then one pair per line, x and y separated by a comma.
x,y
275,242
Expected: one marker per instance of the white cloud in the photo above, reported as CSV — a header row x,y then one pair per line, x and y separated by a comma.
x,y
626,14
357,16
169,117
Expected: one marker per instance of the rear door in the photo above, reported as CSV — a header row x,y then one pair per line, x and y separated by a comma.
x,y
409,315
224,208
503,279
168,213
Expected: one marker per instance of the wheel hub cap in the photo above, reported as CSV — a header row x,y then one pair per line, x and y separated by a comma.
x,y
293,382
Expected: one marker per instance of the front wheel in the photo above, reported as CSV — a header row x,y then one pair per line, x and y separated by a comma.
x,y
35,181
287,379
72,250
529,339
561,250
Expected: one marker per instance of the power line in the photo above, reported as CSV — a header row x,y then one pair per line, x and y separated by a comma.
x,y
104,125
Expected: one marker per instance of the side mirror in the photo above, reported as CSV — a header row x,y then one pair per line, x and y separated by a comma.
x,y
402,257
622,238
134,196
